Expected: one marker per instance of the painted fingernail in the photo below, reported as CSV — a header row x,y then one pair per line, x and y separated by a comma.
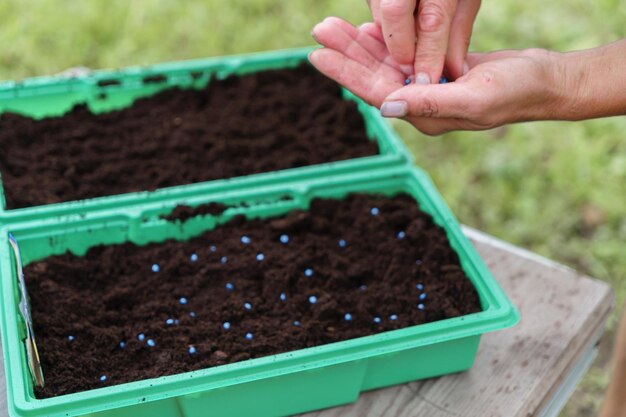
x,y
422,78
407,69
465,68
394,109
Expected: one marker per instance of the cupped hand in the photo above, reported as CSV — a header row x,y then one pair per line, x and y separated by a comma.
x,y
499,88
427,35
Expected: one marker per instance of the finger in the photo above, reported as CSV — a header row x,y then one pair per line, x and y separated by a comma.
x,y
360,80
436,127
460,36
373,30
433,29
437,101
375,9
398,24
341,36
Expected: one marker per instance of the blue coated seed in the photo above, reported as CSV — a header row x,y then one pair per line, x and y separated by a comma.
x,y
342,243
401,235
103,378
182,300
248,306
407,81
283,296
192,350
418,262
284,239
223,259
374,211
226,325
420,287
296,323
363,287
230,286
150,343
156,268
443,80
393,317
213,248
377,320
260,257
122,344
141,337
347,317
169,322
192,314
420,306
423,296
176,322
193,257
70,338
245,240
249,336
312,299
308,272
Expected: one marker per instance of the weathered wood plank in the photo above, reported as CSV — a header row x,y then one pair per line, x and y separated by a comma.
x,y
516,370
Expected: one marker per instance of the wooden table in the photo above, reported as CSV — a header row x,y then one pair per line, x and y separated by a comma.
x,y
529,370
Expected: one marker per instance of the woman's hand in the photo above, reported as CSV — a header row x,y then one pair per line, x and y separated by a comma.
x,y
499,88
426,35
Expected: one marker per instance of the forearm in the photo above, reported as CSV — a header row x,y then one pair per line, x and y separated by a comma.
x,y
594,82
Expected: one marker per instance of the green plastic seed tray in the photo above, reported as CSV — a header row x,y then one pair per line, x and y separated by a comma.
x,y
53,96
278,385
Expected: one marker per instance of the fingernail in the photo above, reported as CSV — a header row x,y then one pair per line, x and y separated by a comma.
x,y
313,35
407,69
422,78
465,68
394,109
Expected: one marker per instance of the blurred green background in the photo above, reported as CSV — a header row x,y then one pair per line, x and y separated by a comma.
x,y
556,188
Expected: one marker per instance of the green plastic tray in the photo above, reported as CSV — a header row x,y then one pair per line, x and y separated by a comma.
x,y
53,96
278,385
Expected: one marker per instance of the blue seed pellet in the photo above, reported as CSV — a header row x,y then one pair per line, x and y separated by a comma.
x,y
377,320
342,243
347,317
151,343
308,272
401,235
418,262
407,81
393,317
182,300
176,322
296,323
422,296
156,268
192,350
122,344
420,306
213,248
226,325
363,287
193,257
249,336
245,240
419,287
248,306
192,314
443,80
70,338
374,211
260,257
103,378
312,299
224,259
230,286
284,239
169,322
141,337
283,296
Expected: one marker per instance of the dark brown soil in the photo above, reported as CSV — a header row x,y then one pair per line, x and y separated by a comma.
x,y
111,294
261,122
183,213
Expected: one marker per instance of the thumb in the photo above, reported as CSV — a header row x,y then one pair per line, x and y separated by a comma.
x,y
452,100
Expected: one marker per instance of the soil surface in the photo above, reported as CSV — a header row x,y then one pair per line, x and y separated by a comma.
x,y
260,122
354,260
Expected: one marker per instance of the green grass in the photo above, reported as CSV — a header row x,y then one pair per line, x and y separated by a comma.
x,y
556,188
